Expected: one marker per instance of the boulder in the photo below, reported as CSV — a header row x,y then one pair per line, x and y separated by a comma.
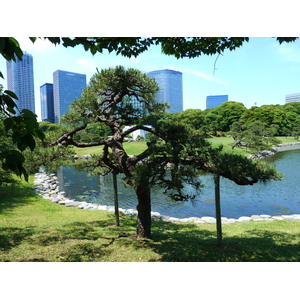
x,y
64,202
244,219
82,205
231,220
70,203
91,206
55,200
155,214
277,218
199,221
102,207
254,216
265,216
207,219
110,209
75,204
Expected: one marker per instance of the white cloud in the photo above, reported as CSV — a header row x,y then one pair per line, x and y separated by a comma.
x,y
201,75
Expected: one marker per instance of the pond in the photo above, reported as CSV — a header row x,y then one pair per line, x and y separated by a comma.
x,y
273,198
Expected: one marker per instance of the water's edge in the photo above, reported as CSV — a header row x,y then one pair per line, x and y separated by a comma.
x,y
280,148
47,186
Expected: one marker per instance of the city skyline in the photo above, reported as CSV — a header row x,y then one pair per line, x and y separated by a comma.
x,y
261,71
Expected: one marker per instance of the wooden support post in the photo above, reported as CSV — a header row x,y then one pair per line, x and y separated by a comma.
x,y
116,200
218,208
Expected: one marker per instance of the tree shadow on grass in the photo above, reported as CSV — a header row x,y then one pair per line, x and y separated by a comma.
x,y
74,242
83,231
13,236
14,195
83,241
91,241
189,243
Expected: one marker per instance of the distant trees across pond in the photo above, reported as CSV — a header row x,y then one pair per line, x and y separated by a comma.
x,y
229,117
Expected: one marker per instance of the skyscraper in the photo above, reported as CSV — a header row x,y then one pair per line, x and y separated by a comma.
x,y
67,86
216,100
170,88
20,81
292,98
47,102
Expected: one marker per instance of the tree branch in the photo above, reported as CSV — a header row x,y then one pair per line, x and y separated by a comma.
x,y
137,127
67,139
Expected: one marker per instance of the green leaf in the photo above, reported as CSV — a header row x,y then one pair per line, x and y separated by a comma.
x,y
26,141
13,160
39,134
8,124
11,94
2,44
11,110
9,101
286,39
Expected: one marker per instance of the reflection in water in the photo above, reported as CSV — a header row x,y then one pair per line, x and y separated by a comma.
x,y
275,197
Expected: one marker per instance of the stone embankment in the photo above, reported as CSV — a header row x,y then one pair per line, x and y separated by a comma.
x,y
279,148
47,187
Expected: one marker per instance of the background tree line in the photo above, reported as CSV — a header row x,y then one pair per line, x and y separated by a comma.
x,y
283,119
255,128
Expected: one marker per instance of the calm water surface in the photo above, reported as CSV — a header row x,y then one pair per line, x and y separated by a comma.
x,y
273,198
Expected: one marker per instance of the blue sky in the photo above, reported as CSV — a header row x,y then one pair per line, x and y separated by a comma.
x,y
262,71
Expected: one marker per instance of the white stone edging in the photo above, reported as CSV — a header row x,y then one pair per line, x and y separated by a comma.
x,y
276,149
47,187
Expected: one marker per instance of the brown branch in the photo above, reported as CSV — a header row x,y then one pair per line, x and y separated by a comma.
x,y
136,127
67,139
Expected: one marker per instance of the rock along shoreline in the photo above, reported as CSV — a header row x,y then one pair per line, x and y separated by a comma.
x,y
47,187
276,149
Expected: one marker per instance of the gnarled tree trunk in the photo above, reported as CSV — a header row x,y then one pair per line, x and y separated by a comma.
x,y
143,227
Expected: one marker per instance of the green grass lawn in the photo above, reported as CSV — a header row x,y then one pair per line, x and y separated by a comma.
x,y
134,148
34,229
227,142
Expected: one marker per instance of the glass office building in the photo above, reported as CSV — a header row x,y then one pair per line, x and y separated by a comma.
x,y
292,98
170,88
47,102
20,81
67,86
216,100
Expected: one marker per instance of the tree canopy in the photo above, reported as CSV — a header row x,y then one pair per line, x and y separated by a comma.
x,y
179,47
175,151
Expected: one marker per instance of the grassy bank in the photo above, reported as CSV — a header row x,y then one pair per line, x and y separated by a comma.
x,y
227,143
134,148
34,229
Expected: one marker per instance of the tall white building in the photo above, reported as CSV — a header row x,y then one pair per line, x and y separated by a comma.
x,y
20,80
292,98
